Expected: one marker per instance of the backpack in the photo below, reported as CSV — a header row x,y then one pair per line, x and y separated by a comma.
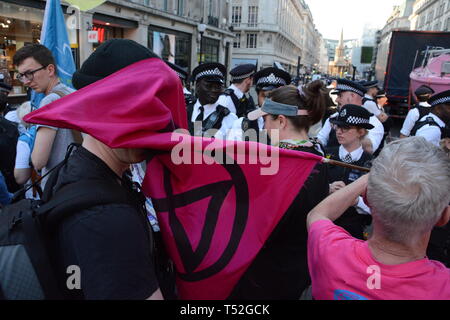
x,y
8,143
25,228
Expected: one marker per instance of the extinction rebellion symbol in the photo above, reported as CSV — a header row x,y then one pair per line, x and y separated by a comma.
x,y
191,259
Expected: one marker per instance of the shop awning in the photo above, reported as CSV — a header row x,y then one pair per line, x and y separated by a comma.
x,y
104,19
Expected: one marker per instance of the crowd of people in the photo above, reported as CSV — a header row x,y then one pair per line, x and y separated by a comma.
x,y
342,223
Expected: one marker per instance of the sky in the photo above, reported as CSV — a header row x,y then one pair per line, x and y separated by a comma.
x,y
330,16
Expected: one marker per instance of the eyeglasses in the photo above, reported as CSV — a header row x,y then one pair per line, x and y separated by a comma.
x,y
29,75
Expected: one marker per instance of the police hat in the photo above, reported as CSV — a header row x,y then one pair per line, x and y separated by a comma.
x,y
440,98
354,116
212,72
423,91
242,72
271,78
369,84
348,85
181,72
381,94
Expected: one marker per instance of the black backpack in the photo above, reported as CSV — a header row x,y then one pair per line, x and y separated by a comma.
x,y
8,144
25,228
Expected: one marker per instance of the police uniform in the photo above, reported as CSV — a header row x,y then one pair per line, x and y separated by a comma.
x,y
431,127
369,102
212,116
183,75
418,112
356,218
267,79
238,102
327,136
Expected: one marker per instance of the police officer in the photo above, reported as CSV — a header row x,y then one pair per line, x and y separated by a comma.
x,y
207,113
436,125
350,92
183,75
265,80
236,98
352,125
423,108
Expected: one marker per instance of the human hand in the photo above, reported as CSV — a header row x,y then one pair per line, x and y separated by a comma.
x,y
335,186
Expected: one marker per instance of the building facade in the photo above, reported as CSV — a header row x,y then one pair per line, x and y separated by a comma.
x,y
431,15
274,32
168,27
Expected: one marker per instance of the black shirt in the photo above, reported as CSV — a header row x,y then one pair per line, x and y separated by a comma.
x,y
111,244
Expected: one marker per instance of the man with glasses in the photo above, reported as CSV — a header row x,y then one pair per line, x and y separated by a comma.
x,y
350,92
37,70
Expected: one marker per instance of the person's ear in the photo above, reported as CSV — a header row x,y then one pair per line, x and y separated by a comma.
x,y
52,69
282,120
445,217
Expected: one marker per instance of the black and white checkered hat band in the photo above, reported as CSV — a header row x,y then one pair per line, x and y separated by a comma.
x,y
357,120
272,79
208,73
440,101
344,87
244,76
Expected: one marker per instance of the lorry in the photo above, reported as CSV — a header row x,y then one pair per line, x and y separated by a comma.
x,y
396,62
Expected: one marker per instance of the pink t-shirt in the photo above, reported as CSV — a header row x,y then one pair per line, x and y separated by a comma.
x,y
342,268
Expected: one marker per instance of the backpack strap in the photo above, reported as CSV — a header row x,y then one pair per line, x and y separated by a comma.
x,y
214,121
77,136
230,93
419,124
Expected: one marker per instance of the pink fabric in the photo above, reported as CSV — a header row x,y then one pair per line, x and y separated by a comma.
x,y
137,108
342,268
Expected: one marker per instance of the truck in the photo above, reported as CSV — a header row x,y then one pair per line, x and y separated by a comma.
x,y
396,62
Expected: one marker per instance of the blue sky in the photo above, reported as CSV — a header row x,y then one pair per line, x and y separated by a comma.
x,y
332,15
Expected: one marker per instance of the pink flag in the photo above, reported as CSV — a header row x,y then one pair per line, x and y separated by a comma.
x,y
217,201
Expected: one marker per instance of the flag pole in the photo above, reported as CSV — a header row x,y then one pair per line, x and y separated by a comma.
x,y
345,165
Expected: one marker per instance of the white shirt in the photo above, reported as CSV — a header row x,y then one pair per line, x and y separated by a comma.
x,y
237,134
186,91
355,154
324,133
23,158
226,101
411,119
227,122
371,106
361,207
431,133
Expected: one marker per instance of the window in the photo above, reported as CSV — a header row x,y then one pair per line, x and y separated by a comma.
x,y
237,41
251,40
180,7
213,8
210,50
447,26
236,16
252,16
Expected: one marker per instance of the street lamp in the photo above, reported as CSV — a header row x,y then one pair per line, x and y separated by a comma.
x,y
201,29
